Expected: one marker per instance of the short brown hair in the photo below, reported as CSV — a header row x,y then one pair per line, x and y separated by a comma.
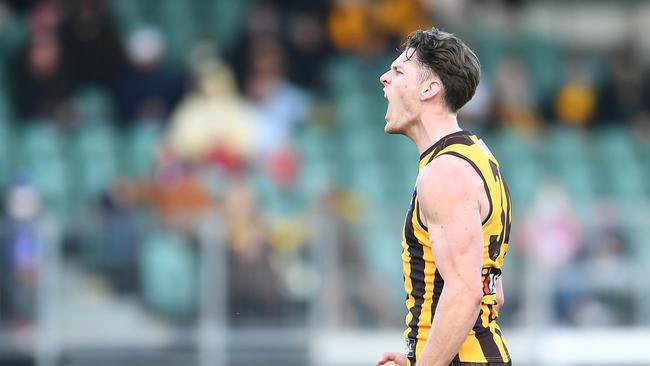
x,y
451,60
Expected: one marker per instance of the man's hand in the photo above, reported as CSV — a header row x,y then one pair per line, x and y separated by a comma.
x,y
392,358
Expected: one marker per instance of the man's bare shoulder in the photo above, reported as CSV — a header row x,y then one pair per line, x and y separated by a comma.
x,y
448,175
448,183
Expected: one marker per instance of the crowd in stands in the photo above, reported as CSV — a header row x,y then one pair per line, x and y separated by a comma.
x,y
225,120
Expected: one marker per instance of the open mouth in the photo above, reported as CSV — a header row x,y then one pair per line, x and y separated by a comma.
x,y
387,106
387,116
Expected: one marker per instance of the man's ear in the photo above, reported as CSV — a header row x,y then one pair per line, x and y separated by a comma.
x,y
430,89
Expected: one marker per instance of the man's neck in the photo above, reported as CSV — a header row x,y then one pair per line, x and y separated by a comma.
x,y
431,128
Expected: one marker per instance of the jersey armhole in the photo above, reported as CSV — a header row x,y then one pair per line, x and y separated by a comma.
x,y
419,217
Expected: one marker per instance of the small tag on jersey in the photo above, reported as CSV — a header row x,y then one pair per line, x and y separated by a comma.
x,y
490,277
409,347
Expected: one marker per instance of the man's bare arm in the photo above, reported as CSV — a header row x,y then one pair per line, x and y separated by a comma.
x,y
449,191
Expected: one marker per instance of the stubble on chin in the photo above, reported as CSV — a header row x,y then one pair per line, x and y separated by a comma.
x,y
392,128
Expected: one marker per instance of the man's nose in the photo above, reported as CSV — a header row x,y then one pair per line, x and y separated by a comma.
x,y
383,79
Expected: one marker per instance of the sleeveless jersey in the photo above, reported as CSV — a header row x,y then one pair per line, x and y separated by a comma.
x,y
422,280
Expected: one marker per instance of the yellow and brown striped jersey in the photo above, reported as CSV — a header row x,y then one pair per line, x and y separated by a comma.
x,y
422,280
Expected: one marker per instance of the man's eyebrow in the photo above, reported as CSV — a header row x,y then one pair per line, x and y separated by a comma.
x,y
395,67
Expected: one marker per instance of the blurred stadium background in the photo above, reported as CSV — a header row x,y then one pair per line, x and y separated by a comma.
x,y
207,182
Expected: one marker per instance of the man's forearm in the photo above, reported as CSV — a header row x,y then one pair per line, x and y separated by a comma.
x,y
455,315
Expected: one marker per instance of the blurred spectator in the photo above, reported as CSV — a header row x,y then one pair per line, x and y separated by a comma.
x,y
43,19
120,235
280,105
263,20
627,92
282,169
22,5
353,29
449,14
551,240
612,275
366,27
516,103
553,234
255,291
213,121
353,294
575,101
479,110
90,41
400,17
641,127
176,192
307,48
147,90
21,248
42,82
598,289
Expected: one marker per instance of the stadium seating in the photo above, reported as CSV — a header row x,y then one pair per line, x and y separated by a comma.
x,y
12,38
127,14
178,26
41,157
620,164
139,147
6,137
604,170
168,274
94,159
223,20
94,104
